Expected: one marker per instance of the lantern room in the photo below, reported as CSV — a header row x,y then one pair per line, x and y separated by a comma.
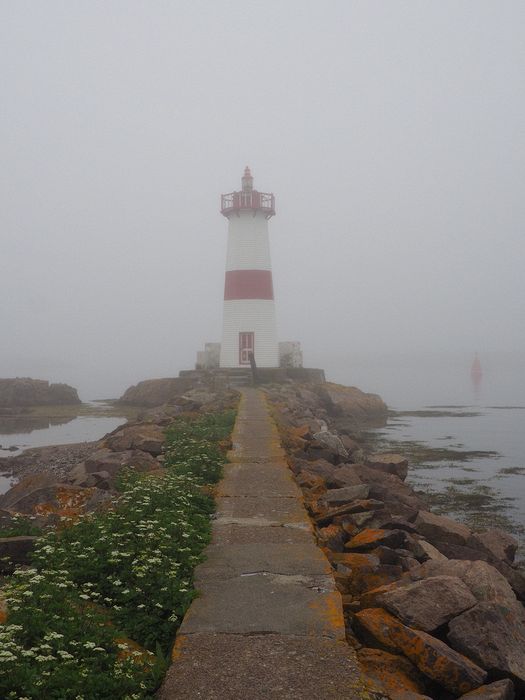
x,y
248,199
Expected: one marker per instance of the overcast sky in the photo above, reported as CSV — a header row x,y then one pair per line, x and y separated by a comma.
x,y
392,133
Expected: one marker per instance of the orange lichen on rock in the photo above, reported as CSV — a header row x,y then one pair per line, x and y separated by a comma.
x,y
69,502
367,537
433,657
353,559
394,674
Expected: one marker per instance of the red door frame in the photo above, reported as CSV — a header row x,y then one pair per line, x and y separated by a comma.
x,y
246,345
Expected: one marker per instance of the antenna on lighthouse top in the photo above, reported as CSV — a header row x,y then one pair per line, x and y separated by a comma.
x,y
247,180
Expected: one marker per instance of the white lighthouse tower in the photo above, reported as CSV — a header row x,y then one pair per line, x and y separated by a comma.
x,y
249,307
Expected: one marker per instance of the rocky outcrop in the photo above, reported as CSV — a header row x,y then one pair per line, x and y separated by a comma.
x,y
155,392
35,392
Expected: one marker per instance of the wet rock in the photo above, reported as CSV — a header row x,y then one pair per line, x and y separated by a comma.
x,y
492,637
497,543
438,528
338,497
15,551
370,538
429,603
500,690
389,463
433,657
395,675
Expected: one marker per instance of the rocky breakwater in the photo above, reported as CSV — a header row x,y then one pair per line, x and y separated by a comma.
x,y
24,391
43,499
434,609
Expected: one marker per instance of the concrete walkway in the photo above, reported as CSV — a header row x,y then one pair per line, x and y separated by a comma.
x,y
268,622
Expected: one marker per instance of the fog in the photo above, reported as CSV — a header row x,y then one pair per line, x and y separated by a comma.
x,y
391,132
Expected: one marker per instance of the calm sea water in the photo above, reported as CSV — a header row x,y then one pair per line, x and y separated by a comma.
x,y
412,383
28,433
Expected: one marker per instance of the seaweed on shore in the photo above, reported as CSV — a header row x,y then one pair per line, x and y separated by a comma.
x,y
432,413
479,506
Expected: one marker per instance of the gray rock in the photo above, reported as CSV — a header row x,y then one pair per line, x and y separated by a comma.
x,y
492,638
438,528
389,463
344,476
337,497
496,543
484,581
331,442
429,603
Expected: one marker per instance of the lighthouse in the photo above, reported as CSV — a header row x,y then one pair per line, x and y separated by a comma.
x,y
249,309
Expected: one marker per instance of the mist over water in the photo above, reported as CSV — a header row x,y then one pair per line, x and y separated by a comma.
x,y
411,383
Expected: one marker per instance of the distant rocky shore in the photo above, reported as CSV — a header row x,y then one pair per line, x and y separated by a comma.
x,y
23,391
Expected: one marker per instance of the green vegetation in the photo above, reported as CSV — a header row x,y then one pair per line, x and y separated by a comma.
x,y
21,525
112,577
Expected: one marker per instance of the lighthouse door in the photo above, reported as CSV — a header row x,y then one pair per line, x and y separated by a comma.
x,y
246,346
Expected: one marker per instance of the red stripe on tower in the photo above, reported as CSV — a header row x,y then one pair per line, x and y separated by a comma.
x,y
248,284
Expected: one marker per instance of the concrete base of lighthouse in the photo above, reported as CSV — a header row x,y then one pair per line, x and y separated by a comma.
x,y
234,377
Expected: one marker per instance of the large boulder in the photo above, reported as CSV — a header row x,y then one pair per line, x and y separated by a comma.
x,y
104,460
438,528
434,658
146,437
429,603
389,463
497,543
352,403
484,581
492,638
24,391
